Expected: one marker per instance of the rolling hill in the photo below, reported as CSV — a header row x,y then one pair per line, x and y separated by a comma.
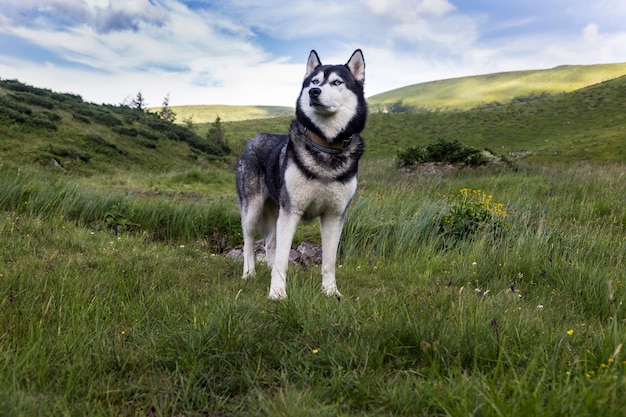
x,y
39,127
208,113
492,89
585,125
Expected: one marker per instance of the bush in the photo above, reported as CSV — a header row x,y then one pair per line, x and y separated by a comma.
x,y
398,107
34,99
447,152
42,121
409,158
81,118
106,118
469,211
126,131
14,107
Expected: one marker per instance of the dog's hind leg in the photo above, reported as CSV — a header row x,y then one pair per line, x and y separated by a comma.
x,y
285,230
331,225
250,216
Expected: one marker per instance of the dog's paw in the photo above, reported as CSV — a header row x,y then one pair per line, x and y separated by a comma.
x,y
248,274
332,292
277,294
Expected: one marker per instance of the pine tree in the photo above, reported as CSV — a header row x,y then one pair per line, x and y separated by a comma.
x,y
139,102
217,135
166,112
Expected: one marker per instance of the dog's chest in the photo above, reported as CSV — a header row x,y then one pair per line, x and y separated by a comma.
x,y
314,197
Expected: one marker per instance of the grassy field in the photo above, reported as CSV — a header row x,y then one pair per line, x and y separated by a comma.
x,y
527,320
485,292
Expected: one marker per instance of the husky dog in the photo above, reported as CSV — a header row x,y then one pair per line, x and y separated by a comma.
x,y
310,172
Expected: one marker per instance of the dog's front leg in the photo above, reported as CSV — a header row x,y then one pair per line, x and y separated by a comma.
x,y
285,230
331,225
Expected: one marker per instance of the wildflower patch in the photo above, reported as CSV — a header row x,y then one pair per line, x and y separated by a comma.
x,y
470,211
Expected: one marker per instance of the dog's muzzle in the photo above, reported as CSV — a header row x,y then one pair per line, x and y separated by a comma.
x,y
314,95
315,92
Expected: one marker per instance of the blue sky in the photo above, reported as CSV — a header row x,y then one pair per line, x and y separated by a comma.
x,y
254,51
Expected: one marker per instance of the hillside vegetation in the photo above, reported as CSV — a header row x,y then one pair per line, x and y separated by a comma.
x,y
39,126
492,89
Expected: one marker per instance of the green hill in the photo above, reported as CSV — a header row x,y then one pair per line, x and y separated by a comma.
x,y
469,92
208,113
44,128
585,125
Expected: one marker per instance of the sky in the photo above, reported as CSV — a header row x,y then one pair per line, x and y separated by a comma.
x,y
254,52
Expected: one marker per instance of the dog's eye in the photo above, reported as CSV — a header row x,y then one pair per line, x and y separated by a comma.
x,y
337,83
315,82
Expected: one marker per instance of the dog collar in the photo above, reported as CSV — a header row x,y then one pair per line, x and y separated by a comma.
x,y
322,145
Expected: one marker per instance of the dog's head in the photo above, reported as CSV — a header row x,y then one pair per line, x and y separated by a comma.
x,y
332,103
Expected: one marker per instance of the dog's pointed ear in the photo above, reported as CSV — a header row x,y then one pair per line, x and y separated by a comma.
x,y
356,64
312,63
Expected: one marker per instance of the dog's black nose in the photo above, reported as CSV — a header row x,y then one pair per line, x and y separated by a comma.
x,y
315,92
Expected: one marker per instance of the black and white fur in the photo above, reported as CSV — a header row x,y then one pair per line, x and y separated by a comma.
x,y
310,172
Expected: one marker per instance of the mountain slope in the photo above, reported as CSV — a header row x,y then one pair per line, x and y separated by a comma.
x,y
585,125
208,113
469,92
38,126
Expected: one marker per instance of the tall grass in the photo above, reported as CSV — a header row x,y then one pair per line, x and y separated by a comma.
x,y
528,322
26,193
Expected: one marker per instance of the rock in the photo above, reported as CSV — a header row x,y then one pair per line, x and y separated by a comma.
x,y
306,254
310,254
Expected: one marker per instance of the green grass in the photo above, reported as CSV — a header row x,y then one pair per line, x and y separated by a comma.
x,y
529,322
116,300
490,89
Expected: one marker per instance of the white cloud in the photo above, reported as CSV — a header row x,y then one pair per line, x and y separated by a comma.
x,y
197,56
434,7
102,15
237,51
591,33
406,10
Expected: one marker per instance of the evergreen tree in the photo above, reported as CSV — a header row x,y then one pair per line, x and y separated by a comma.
x,y
138,102
166,112
217,135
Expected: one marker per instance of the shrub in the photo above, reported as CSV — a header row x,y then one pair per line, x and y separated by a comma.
x,y
34,99
126,131
398,107
106,118
52,116
117,218
448,152
14,107
410,157
469,211
81,118
43,121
